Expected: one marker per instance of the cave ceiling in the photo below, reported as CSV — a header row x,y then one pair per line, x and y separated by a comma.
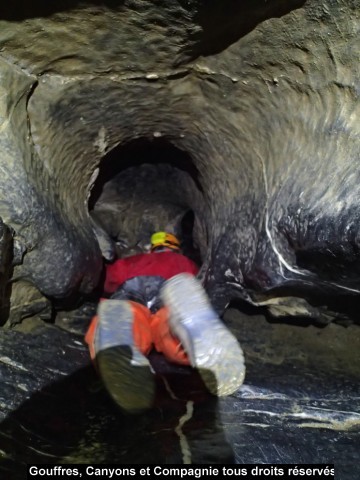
x,y
262,96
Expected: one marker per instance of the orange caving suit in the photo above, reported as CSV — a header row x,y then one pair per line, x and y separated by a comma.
x,y
150,329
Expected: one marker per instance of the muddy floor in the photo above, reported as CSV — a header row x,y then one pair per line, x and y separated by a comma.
x,y
300,402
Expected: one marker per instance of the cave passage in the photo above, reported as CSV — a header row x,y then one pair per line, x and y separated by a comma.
x,y
145,186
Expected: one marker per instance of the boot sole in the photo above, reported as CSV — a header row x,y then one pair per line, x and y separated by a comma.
x,y
125,371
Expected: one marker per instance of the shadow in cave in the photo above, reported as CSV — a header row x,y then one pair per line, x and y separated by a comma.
x,y
342,310
246,309
22,9
223,23
145,186
137,153
227,9
324,303
73,420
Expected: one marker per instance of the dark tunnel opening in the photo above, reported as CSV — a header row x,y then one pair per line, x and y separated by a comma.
x,y
145,186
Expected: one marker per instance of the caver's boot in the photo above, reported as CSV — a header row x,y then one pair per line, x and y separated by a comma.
x,y
210,346
125,371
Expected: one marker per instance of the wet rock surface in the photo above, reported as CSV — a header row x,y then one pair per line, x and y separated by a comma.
x,y
261,96
300,402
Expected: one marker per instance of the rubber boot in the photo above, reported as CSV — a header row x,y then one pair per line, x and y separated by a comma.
x,y
124,370
210,346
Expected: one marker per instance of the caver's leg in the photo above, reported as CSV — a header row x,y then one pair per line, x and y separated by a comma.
x,y
119,339
164,341
211,347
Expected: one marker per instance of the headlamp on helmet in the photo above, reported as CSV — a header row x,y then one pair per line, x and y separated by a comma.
x,y
164,239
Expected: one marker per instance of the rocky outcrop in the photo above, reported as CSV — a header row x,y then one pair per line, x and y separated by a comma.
x,y
262,98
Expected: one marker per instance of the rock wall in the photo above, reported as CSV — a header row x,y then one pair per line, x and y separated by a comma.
x,y
263,97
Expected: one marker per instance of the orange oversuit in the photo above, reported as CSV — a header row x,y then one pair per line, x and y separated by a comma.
x,y
150,330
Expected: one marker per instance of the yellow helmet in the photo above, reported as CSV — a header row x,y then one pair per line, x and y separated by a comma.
x,y
164,239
